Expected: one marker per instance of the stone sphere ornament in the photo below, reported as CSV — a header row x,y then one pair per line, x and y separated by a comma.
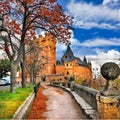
x,y
110,71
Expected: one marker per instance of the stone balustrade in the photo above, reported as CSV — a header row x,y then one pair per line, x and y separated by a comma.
x,y
88,94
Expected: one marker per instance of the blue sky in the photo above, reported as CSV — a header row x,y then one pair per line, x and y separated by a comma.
x,y
96,33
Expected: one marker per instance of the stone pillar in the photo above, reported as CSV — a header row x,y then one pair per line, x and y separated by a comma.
x,y
108,107
66,84
61,84
71,85
109,100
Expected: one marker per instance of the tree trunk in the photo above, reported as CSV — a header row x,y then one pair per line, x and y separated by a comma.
x,y
23,76
31,76
23,69
34,77
13,77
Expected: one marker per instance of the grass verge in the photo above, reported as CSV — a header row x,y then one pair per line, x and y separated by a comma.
x,y
10,102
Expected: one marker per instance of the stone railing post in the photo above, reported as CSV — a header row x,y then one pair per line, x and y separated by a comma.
x,y
66,84
61,84
108,101
108,107
71,85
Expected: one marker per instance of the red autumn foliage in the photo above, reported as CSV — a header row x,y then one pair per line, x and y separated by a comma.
x,y
39,106
23,20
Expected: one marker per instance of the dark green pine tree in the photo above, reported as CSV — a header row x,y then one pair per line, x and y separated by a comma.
x,y
4,67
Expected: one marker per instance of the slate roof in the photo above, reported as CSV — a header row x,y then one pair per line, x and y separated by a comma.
x,y
80,62
69,57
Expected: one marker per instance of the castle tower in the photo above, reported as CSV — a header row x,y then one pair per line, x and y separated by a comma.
x,y
48,44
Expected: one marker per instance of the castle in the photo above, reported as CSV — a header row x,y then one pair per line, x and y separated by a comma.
x,y
68,66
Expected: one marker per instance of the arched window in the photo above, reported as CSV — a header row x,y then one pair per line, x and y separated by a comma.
x,y
67,73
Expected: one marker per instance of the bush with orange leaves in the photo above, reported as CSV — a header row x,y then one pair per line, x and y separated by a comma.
x,y
39,106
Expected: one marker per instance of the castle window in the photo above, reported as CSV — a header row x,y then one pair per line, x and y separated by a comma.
x,y
43,40
67,73
67,64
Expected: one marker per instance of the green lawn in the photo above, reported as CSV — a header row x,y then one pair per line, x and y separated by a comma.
x,y
9,102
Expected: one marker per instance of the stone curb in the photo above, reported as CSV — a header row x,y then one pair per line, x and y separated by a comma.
x,y
21,111
87,109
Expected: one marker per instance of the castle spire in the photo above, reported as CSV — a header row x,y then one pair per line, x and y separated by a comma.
x,y
85,60
68,56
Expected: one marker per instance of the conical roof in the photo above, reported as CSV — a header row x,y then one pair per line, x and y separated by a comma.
x,y
68,55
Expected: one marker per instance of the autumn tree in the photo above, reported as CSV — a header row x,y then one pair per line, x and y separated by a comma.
x,y
35,60
22,18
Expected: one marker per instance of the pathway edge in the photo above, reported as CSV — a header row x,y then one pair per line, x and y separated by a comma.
x,y
21,111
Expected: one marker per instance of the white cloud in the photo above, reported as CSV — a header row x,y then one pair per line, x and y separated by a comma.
x,y
102,57
101,42
109,1
87,15
88,25
96,42
106,1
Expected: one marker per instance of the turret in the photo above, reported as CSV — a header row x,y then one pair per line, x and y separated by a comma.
x,y
48,44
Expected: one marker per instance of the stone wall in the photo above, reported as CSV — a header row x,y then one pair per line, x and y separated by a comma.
x,y
51,77
88,94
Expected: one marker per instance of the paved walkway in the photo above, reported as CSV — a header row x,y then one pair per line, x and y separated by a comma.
x,y
61,105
